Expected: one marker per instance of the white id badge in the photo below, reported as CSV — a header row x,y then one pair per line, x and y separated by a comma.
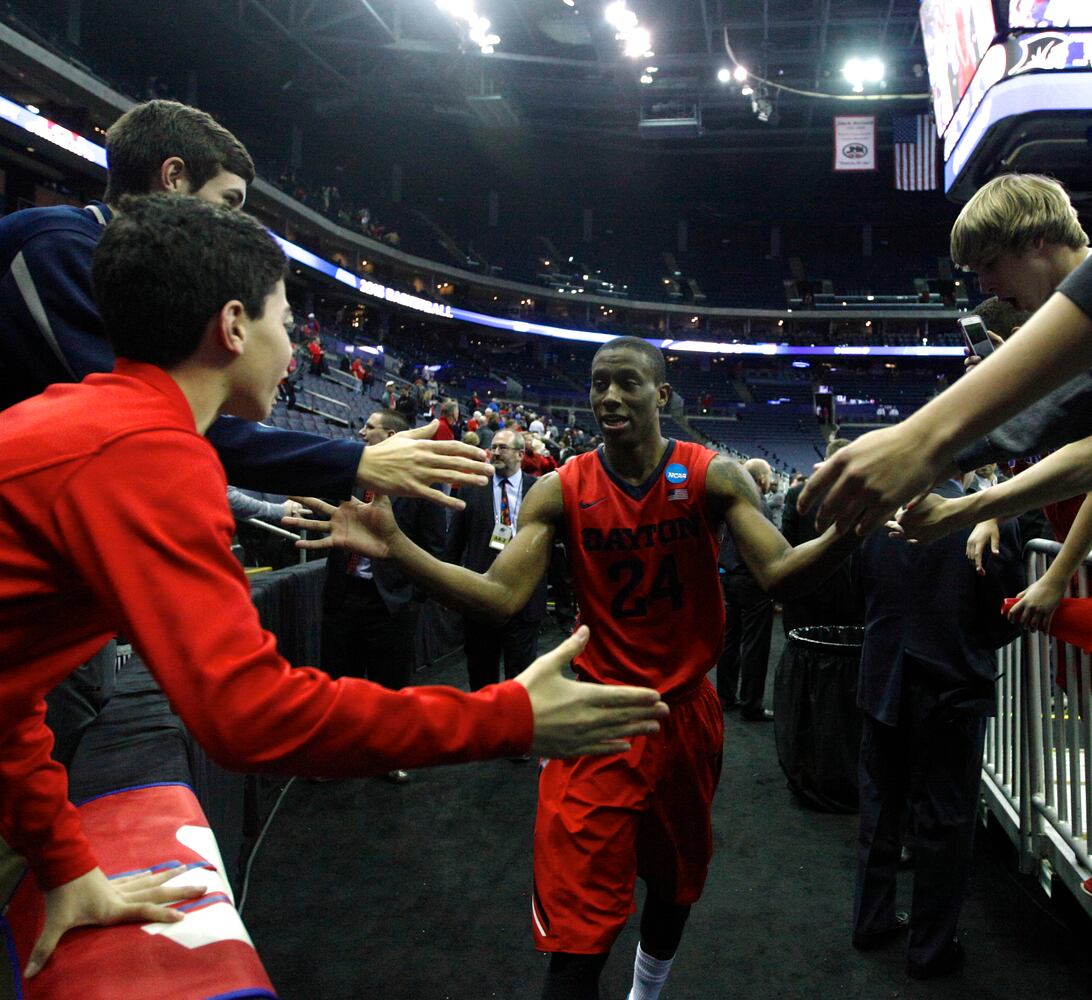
x,y
502,535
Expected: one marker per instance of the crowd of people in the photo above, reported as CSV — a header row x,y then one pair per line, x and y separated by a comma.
x,y
676,554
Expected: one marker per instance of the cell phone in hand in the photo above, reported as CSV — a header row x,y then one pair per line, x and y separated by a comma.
x,y
976,335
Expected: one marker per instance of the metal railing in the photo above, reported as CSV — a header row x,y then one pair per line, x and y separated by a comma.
x,y
282,532
323,408
1036,767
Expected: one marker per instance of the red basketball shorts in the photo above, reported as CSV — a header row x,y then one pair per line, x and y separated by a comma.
x,y
602,821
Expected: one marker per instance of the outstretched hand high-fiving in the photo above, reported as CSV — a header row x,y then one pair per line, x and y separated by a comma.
x,y
574,719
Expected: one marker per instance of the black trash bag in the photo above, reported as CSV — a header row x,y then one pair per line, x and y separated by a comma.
x,y
816,719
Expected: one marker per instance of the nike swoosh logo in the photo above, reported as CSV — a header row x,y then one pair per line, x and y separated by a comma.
x,y
584,505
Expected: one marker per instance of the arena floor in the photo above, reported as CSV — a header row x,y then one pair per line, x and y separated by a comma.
x,y
365,889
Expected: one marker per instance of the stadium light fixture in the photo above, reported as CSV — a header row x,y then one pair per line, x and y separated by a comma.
x,y
476,27
740,74
724,74
636,41
858,72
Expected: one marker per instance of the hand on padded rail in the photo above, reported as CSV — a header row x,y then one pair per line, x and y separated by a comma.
x,y
93,899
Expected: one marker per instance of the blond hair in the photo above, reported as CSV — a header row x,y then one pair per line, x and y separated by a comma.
x,y
1011,212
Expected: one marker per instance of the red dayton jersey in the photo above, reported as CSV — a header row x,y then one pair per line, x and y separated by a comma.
x,y
644,565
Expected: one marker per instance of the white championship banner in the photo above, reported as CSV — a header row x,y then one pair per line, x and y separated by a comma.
x,y
854,142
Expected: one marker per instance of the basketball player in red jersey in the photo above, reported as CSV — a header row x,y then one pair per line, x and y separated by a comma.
x,y
640,518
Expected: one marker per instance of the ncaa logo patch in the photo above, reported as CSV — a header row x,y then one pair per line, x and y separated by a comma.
x,y
676,475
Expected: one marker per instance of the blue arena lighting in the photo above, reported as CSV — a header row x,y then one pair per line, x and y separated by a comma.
x,y
77,144
43,128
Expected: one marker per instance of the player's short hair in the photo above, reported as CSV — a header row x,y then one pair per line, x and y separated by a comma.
x,y
653,355
1001,316
1008,214
392,420
165,266
147,134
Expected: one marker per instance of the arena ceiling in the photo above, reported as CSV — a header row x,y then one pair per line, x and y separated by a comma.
x,y
559,70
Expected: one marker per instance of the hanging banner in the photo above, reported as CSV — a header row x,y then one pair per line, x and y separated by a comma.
x,y
854,142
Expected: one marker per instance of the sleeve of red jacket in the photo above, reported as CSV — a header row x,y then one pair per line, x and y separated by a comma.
x,y
36,818
156,550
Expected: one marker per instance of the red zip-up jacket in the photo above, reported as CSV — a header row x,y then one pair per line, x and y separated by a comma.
x,y
114,519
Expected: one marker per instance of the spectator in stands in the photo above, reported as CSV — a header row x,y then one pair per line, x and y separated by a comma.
x,y
536,426
449,418
487,428
360,373
471,438
138,523
291,382
483,528
926,687
407,407
318,356
744,662
390,396
370,610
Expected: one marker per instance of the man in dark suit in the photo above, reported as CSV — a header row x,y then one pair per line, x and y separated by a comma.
x,y
926,686
369,611
749,614
838,601
475,536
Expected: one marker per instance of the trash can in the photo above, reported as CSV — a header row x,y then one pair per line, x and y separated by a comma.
x,y
817,724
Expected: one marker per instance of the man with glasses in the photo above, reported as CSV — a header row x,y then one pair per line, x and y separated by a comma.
x,y
475,536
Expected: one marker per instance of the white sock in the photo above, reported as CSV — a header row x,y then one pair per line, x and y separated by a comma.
x,y
649,976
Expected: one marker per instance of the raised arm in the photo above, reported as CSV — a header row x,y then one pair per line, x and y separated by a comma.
x,y
1066,473
870,478
778,568
370,529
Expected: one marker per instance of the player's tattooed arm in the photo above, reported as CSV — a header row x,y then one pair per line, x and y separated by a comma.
x,y
727,482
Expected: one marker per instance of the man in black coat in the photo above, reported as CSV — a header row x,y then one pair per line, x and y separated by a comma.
x,y
369,609
475,535
926,686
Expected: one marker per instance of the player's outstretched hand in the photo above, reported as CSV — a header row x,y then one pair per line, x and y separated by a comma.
x,y
985,537
867,480
928,518
410,464
93,899
574,719
365,528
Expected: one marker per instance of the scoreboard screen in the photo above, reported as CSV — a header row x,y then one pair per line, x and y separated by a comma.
x,y
1037,14
956,34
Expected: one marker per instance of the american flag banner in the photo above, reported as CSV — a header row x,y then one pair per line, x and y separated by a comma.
x,y
915,142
